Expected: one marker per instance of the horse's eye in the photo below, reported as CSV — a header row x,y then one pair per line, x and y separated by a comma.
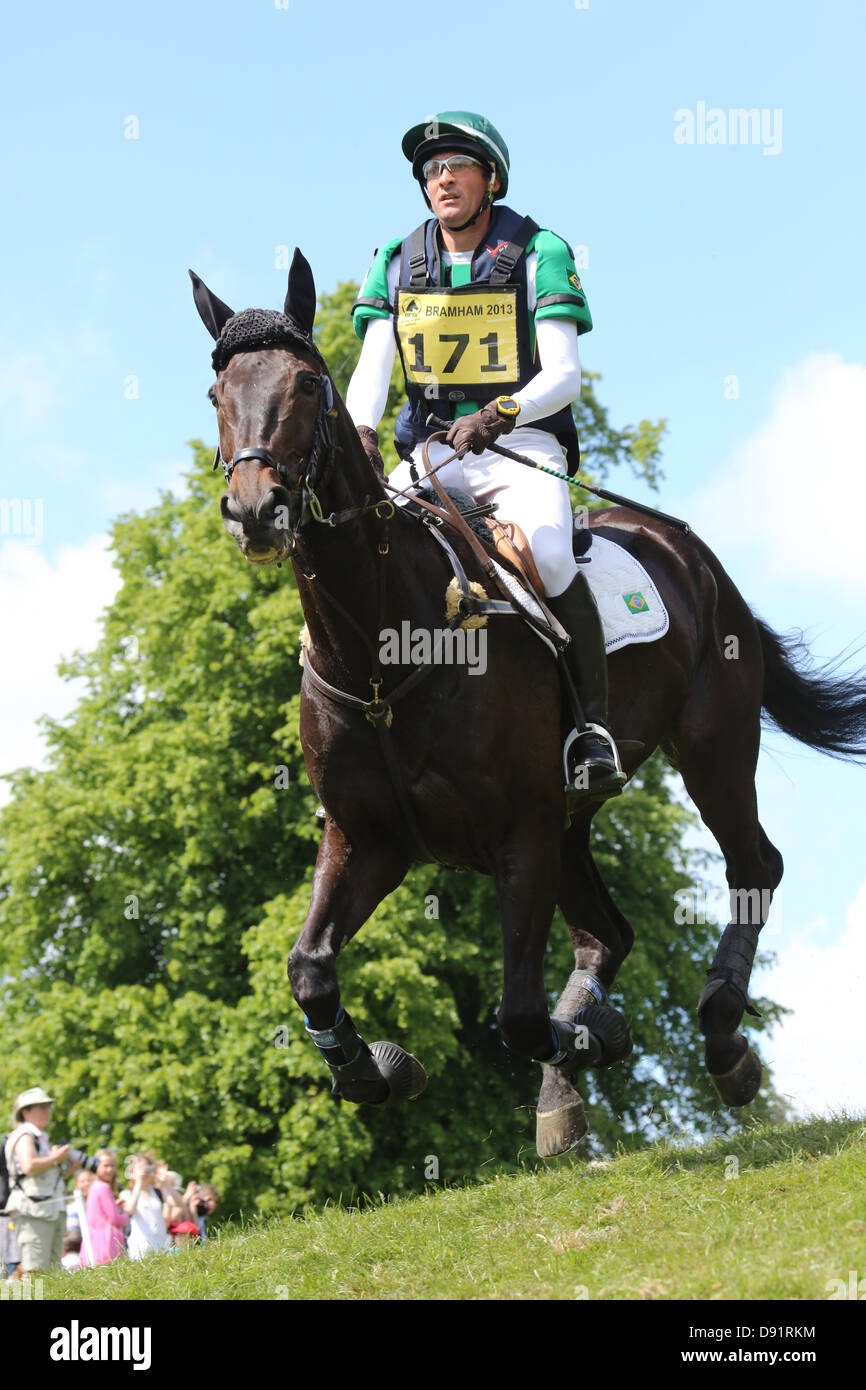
x,y
212,396
309,385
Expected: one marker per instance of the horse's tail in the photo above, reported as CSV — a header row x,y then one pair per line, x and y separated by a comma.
x,y
818,707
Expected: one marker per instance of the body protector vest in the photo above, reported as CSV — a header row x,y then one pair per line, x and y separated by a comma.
x,y
467,342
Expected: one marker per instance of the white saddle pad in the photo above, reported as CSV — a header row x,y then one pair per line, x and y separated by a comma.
x,y
628,601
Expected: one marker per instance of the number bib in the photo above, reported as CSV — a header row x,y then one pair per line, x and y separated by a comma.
x,y
461,343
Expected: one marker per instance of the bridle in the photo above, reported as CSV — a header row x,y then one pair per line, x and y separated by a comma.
x,y
304,501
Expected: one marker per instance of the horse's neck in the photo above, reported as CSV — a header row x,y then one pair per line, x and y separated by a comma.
x,y
345,559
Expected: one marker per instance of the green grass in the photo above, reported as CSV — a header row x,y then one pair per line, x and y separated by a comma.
x,y
664,1223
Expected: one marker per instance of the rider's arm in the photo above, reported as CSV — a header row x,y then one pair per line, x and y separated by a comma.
x,y
558,382
367,392
557,302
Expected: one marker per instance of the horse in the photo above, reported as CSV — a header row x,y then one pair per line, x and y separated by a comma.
x,y
440,765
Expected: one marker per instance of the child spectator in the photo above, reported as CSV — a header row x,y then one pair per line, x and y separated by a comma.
x,y
83,1182
72,1251
144,1205
105,1220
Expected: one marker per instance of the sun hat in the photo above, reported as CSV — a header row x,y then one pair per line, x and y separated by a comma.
x,y
35,1096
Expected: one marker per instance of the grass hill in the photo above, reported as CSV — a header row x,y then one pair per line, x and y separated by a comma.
x,y
776,1212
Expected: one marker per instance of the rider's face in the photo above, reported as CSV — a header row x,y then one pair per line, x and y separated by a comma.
x,y
456,197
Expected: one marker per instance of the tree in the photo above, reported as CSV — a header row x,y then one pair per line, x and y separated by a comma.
x,y
156,874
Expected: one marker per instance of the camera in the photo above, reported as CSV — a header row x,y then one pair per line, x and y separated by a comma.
x,y
87,1161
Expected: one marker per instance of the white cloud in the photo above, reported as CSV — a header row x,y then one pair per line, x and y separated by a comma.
x,y
817,1052
49,608
765,500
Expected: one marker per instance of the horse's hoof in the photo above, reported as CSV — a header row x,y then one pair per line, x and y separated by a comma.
x,y
558,1131
404,1074
740,1085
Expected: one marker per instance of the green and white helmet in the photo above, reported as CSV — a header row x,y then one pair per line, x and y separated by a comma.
x,y
463,131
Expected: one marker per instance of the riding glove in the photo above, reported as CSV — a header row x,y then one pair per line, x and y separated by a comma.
x,y
370,440
477,432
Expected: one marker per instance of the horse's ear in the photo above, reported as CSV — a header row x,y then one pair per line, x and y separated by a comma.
x,y
212,311
301,295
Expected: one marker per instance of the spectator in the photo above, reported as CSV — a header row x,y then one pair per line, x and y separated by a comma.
x,y
181,1227
37,1197
72,1251
144,1205
105,1220
83,1184
201,1200
168,1184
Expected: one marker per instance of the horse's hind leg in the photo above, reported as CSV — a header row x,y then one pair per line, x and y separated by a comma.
x,y
716,750
598,954
527,877
349,883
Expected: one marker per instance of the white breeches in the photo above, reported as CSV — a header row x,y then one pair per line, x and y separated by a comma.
x,y
540,505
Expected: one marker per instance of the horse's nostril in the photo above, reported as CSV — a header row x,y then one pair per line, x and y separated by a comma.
x,y
230,508
269,501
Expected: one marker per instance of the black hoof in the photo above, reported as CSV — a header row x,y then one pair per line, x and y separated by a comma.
x,y
403,1073
741,1084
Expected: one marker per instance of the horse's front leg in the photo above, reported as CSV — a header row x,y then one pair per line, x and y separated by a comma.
x,y
526,880
350,882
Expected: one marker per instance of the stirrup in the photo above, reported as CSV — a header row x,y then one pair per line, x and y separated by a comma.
x,y
607,785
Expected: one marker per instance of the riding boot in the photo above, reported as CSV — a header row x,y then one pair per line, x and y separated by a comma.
x,y
592,773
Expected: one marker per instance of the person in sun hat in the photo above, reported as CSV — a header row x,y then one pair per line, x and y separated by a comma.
x,y
485,309
37,1196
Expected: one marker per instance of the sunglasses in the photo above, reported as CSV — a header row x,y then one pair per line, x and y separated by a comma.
x,y
456,164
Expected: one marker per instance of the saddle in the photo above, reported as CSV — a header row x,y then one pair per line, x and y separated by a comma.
x,y
506,538
513,546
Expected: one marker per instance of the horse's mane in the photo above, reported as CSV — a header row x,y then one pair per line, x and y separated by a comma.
x,y
254,329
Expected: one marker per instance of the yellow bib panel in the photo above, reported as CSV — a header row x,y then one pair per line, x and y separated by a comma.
x,y
460,340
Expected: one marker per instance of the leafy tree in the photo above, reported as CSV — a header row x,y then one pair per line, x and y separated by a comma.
x,y
156,874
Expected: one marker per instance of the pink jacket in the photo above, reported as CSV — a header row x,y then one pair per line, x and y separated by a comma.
x,y
106,1223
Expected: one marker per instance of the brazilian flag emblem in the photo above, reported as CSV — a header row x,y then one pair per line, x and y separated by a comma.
x,y
636,603
575,280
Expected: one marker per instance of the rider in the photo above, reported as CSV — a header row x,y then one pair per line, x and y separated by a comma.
x,y
485,309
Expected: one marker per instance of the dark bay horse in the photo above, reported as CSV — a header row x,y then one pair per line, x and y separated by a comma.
x,y
468,770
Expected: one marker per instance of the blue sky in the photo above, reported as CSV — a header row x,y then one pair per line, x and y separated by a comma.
x,y
260,126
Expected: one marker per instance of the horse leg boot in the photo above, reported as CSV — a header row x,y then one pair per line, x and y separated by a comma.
x,y
735,1068
593,772
383,1074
